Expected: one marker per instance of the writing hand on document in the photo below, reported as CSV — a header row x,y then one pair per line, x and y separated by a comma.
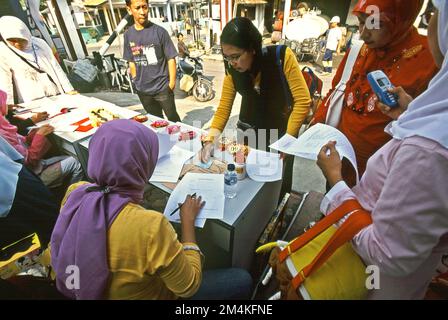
x,y
403,102
207,152
188,212
45,130
329,161
12,107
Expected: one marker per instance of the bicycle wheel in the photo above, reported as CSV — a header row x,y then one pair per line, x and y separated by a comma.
x,y
203,90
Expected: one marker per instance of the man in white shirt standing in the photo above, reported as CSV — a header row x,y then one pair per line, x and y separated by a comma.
x,y
334,42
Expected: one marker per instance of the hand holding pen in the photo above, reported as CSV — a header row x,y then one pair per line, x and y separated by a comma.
x,y
190,209
180,204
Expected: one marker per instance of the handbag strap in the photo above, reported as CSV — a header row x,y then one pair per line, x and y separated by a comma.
x,y
350,228
346,208
335,100
281,72
351,60
30,64
314,80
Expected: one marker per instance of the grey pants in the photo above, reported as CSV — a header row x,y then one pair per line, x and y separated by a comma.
x,y
59,169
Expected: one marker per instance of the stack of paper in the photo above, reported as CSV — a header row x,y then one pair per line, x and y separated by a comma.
x,y
169,167
209,186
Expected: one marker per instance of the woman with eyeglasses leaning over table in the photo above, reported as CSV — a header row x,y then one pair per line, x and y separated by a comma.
x,y
274,93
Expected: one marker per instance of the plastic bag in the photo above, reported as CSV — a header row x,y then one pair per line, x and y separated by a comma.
x,y
186,83
84,69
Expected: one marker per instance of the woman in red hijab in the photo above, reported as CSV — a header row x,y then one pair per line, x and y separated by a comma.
x,y
401,52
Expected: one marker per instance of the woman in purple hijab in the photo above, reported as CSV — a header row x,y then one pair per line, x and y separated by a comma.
x,y
105,245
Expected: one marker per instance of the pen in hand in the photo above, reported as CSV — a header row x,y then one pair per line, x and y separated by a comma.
x,y
180,206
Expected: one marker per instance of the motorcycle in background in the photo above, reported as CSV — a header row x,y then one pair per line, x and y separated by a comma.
x,y
191,73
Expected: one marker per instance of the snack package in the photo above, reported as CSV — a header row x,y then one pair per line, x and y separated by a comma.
x,y
187,135
239,152
99,116
173,129
159,124
141,118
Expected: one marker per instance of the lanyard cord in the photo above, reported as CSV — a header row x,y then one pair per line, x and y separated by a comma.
x,y
36,61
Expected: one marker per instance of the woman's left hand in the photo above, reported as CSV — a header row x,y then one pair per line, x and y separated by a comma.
x,y
404,100
39,116
329,161
11,107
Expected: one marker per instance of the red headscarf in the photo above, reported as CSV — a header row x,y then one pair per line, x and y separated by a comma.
x,y
398,15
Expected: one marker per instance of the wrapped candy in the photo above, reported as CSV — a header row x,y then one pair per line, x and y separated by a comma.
x,y
173,129
159,124
187,135
141,118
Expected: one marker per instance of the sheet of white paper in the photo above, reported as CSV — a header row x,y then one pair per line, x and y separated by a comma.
x,y
170,166
36,103
209,186
287,144
309,144
52,110
166,143
65,129
200,223
65,120
83,104
264,166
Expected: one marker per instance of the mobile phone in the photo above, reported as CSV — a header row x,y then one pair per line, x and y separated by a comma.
x,y
381,84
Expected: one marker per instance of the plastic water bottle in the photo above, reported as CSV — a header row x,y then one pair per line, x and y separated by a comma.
x,y
230,181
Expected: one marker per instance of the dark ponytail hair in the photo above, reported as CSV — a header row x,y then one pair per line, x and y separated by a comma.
x,y
241,33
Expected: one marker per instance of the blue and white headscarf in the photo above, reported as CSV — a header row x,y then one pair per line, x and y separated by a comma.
x,y
9,175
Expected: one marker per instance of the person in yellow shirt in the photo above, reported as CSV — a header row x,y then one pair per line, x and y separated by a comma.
x,y
105,245
275,96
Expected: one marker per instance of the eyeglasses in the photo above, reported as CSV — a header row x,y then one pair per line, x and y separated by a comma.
x,y
232,58
426,17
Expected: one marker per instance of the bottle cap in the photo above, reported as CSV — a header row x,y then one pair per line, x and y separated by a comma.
x,y
231,167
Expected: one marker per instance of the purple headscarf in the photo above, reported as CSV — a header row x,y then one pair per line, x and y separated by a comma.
x,y
122,157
